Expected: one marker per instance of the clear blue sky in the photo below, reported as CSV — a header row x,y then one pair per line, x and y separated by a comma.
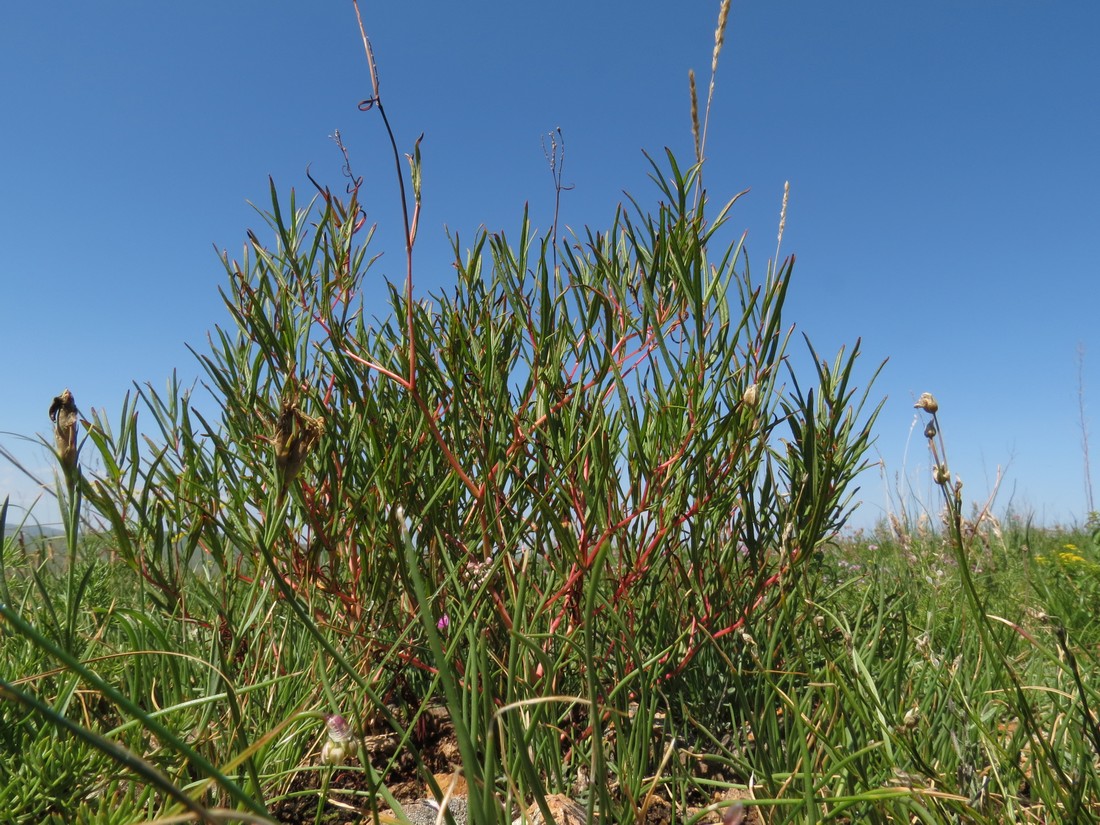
x,y
944,161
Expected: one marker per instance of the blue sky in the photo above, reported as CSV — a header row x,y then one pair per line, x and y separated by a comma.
x,y
943,160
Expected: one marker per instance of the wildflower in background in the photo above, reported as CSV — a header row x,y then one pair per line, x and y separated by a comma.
x,y
340,741
1071,558
444,622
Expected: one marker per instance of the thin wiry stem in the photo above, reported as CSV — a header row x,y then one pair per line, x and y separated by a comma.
x,y
556,161
409,382
376,101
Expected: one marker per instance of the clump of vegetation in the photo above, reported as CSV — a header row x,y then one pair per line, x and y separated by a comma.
x,y
577,511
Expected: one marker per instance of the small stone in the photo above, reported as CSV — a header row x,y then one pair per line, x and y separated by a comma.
x,y
741,810
564,810
426,811
452,782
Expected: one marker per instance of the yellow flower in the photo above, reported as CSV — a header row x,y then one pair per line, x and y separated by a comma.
x,y
1070,558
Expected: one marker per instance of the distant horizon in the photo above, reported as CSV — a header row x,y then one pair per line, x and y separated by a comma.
x,y
868,517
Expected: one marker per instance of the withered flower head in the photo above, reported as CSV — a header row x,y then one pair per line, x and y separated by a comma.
x,y
64,415
940,474
295,436
927,402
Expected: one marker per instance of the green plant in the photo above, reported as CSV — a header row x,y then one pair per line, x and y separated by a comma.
x,y
1064,776
558,498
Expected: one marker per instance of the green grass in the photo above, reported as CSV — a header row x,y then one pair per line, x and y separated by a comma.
x,y
864,693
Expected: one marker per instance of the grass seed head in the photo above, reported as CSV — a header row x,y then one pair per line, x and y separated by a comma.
x,y
694,114
783,210
720,34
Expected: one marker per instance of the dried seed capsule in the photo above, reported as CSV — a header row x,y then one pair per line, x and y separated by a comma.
x,y
927,402
65,416
752,394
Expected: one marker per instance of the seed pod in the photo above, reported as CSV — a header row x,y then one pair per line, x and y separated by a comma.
x,y
930,430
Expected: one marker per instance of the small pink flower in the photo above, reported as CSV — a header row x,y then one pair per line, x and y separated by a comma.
x,y
338,728
444,622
